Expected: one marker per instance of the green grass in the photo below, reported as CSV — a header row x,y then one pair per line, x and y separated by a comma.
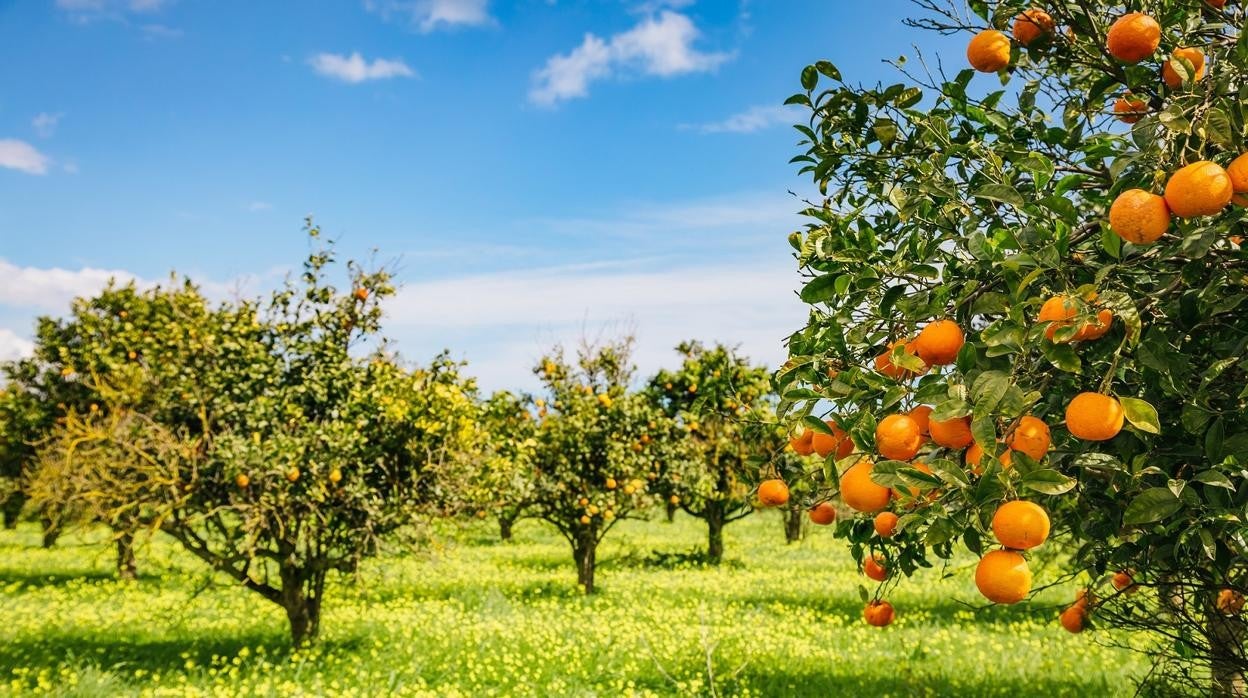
x,y
479,618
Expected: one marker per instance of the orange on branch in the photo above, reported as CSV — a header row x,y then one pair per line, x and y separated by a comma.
x,y
952,433
1094,417
922,416
885,524
989,51
838,441
1200,189
1020,525
878,613
1032,25
874,567
803,444
1238,172
1139,216
1072,618
1124,582
884,362
1003,576
939,342
897,437
1194,56
1097,327
1130,109
859,492
823,513
773,493
1133,37
1031,436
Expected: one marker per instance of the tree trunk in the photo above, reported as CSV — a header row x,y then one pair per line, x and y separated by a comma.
x,y
127,567
301,597
504,527
715,532
1227,660
671,511
12,508
584,552
794,518
50,532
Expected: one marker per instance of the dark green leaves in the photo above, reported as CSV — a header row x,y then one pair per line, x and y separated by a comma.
x,y
1048,481
1004,193
1150,506
1140,414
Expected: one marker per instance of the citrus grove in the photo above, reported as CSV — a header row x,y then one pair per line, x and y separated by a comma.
x,y
1025,332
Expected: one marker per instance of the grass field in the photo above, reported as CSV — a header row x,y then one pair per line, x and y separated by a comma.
x,y
480,618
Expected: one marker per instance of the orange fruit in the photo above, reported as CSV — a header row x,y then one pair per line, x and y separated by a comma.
x,y
803,444
952,433
897,437
1003,576
242,481
1133,37
1030,436
885,524
293,474
1094,417
1130,109
975,454
1230,602
1139,216
1032,25
878,613
989,51
859,492
838,441
1072,618
1200,189
921,416
361,294
1238,172
1197,71
1217,4
874,568
1058,311
939,342
1123,581
884,363
1097,327
773,493
823,513
1020,525
1084,598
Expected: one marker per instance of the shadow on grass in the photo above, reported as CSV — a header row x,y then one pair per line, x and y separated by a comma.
x,y
905,681
941,612
693,559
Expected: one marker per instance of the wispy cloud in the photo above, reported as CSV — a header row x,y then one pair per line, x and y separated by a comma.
x,y
14,347
429,15
160,31
753,119
51,289
23,157
45,123
355,69
257,206
87,10
659,45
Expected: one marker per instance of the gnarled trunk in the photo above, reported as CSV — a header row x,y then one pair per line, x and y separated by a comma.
x,y
50,531
714,531
584,552
12,508
504,527
127,567
794,521
301,597
671,511
1227,657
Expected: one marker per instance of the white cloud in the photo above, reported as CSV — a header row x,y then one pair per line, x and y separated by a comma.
x,y
660,45
51,290
86,10
23,157
45,123
14,347
751,120
429,15
354,69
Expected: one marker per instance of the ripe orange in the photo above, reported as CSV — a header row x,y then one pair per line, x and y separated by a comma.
x,y
884,362
1097,327
1031,436
293,474
1230,602
1020,525
1058,311
1032,25
1124,582
989,51
1197,70
242,481
1238,172
1072,618
878,613
859,492
1084,598
1094,417
803,444
952,433
897,437
1200,189
838,441
975,455
885,524
823,513
939,342
1139,216
1130,109
1003,576
921,416
773,493
874,568
335,476
1133,37
361,294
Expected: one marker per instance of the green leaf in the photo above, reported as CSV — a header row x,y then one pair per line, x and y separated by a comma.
x,y
828,69
812,422
1213,478
810,77
1048,481
820,289
1141,414
1153,504
1004,193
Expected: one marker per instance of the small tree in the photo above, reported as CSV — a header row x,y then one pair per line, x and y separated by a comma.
x,y
1100,317
502,480
710,396
601,449
268,440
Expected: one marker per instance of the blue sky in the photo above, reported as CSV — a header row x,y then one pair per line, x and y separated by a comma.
x,y
540,169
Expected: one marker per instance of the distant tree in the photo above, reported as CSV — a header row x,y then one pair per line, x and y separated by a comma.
x,y
710,395
502,479
275,441
601,448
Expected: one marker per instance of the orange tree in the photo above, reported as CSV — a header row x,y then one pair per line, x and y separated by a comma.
x,y
710,396
604,451
1044,253
276,441
502,480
